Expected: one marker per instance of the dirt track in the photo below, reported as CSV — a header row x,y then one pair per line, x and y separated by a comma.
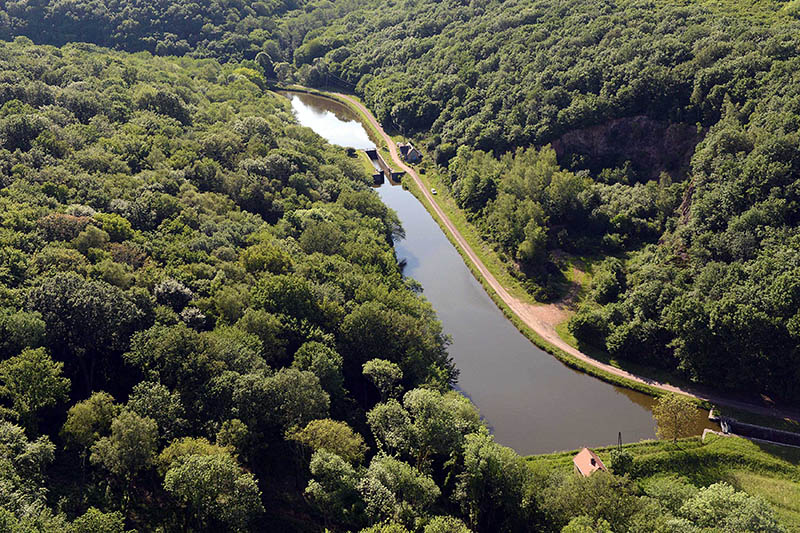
x,y
544,318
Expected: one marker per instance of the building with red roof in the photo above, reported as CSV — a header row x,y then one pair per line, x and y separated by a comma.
x,y
587,463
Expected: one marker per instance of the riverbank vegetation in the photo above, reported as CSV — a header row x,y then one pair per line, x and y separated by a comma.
x,y
665,148
657,136
204,326
202,321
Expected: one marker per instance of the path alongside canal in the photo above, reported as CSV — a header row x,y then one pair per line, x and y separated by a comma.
x,y
542,319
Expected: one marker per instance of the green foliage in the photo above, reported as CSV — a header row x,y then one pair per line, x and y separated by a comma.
x,y
216,492
385,375
96,521
491,488
117,227
720,506
130,447
24,463
32,381
621,462
170,235
333,489
89,420
394,490
601,496
584,524
287,401
182,449
427,427
19,330
157,402
324,363
160,238
266,257
446,524
334,437
672,414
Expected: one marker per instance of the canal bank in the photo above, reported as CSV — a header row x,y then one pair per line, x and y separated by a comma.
x,y
536,321
532,402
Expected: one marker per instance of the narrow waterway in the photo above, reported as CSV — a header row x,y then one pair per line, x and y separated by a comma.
x,y
531,401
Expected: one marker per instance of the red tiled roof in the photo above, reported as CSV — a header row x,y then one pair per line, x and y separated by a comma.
x,y
587,462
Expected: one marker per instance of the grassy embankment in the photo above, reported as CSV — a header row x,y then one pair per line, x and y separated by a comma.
x,y
770,472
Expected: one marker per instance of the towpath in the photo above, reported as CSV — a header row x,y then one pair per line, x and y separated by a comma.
x,y
544,318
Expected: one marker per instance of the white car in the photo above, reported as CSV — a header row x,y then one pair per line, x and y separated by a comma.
x,y
433,191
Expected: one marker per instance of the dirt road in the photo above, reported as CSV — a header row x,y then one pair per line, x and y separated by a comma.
x,y
544,318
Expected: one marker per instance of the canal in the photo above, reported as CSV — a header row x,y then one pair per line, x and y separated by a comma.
x,y
531,401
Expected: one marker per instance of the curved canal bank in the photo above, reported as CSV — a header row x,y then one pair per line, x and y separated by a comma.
x,y
532,401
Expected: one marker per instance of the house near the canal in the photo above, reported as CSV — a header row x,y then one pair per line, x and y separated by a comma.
x,y
409,153
587,463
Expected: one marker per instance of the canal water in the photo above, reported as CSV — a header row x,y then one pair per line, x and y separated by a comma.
x,y
531,401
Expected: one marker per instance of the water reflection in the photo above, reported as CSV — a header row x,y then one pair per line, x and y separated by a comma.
x,y
531,401
331,120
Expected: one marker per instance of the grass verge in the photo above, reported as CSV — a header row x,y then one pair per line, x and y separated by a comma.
x,y
771,472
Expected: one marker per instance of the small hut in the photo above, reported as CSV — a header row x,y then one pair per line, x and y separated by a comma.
x,y
409,153
587,463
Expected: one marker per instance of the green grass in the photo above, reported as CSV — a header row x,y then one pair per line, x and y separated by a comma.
x,y
363,158
770,472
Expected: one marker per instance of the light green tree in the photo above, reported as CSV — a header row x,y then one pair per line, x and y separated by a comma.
x,y
333,436
333,488
673,414
446,524
491,485
32,381
130,448
88,421
586,524
216,492
720,506
385,375
96,521
394,490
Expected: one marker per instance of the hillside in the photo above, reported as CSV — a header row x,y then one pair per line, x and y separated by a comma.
x,y
673,163
203,323
672,471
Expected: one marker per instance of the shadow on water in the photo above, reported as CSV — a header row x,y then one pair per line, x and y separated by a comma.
x,y
530,400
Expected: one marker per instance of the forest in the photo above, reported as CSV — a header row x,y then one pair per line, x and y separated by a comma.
x,y
204,327
203,323
658,139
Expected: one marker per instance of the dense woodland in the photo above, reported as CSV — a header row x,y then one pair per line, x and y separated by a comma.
x,y
662,137
203,325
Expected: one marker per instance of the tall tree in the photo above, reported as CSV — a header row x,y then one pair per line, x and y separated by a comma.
x,y
673,414
216,492
32,381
